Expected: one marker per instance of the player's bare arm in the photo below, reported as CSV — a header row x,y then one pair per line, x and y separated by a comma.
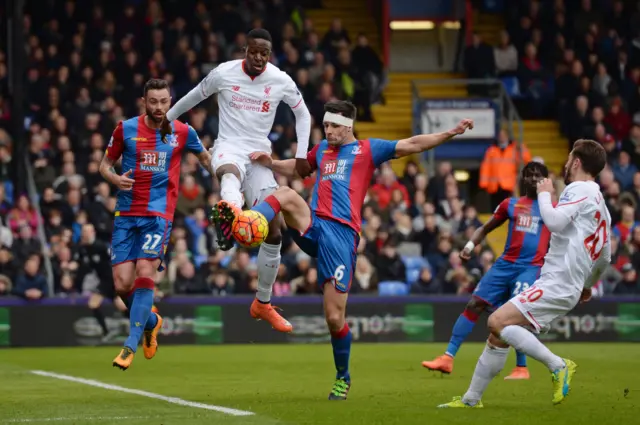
x,y
425,142
123,182
479,235
287,167
205,161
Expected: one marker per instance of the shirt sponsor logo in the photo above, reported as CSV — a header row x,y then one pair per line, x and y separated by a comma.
x,y
153,161
527,223
248,104
335,170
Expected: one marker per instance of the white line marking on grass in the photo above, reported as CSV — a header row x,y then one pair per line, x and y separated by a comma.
x,y
86,418
174,400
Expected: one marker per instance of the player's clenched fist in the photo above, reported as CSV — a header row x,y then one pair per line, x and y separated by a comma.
x,y
545,185
125,182
303,168
464,125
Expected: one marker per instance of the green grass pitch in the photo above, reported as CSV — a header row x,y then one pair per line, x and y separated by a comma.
x,y
289,384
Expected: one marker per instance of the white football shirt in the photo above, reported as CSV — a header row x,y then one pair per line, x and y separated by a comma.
x,y
580,228
248,103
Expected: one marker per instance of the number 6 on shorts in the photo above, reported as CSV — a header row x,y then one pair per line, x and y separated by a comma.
x,y
339,273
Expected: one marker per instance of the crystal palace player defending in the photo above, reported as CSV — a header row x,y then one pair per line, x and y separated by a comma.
x,y
579,252
329,229
249,92
516,269
144,211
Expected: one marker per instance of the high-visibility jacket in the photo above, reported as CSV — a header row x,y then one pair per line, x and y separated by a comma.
x,y
499,168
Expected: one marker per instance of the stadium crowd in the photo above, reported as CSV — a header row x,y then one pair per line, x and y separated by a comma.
x,y
584,59
87,65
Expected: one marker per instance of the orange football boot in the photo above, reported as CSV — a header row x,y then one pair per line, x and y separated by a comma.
x,y
154,309
442,364
266,312
124,359
518,372
150,339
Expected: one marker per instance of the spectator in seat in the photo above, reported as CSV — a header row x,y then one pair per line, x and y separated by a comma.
x,y
632,144
389,264
5,285
499,168
31,284
618,120
506,56
624,171
479,62
23,215
629,283
624,228
335,38
387,185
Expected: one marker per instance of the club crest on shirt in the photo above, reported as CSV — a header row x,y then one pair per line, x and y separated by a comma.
x,y
267,91
357,150
172,139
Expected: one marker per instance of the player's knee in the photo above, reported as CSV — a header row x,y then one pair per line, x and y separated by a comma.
x,y
146,269
122,281
494,341
335,319
477,306
495,324
284,195
227,169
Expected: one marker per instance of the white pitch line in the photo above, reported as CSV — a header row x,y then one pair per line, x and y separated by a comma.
x,y
86,418
173,400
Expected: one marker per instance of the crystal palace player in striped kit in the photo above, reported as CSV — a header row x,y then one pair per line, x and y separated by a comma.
x,y
329,228
147,196
516,269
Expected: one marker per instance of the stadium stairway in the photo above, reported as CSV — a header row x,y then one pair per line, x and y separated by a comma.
x,y
544,139
355,15
394,119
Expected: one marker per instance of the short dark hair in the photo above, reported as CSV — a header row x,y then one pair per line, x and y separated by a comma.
x,y
591,154
155,84
342,107
259,34
535,167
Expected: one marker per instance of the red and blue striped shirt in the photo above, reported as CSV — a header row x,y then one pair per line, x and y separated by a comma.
x,y
343,177
528,237
155,165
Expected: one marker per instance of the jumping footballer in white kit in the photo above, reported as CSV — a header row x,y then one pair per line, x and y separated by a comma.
x,y
579,252
249,92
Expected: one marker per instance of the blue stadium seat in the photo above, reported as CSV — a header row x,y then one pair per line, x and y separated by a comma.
x,y
392,288
512,86
414,266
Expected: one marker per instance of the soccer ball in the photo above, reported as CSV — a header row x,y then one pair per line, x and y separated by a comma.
x,y
250,228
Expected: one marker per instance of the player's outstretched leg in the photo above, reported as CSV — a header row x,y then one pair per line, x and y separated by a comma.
x,y
222,215
490,364
462,328
507,323
269,260
140,317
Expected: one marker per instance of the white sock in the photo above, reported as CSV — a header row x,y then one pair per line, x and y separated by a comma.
x,y
527,343
489,365
268,263
230,190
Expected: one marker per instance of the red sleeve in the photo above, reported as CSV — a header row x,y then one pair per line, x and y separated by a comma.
x,y
502,212
311,157
116,144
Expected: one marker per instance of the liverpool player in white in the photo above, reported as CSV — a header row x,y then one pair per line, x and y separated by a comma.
x,y
579,252
249,92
